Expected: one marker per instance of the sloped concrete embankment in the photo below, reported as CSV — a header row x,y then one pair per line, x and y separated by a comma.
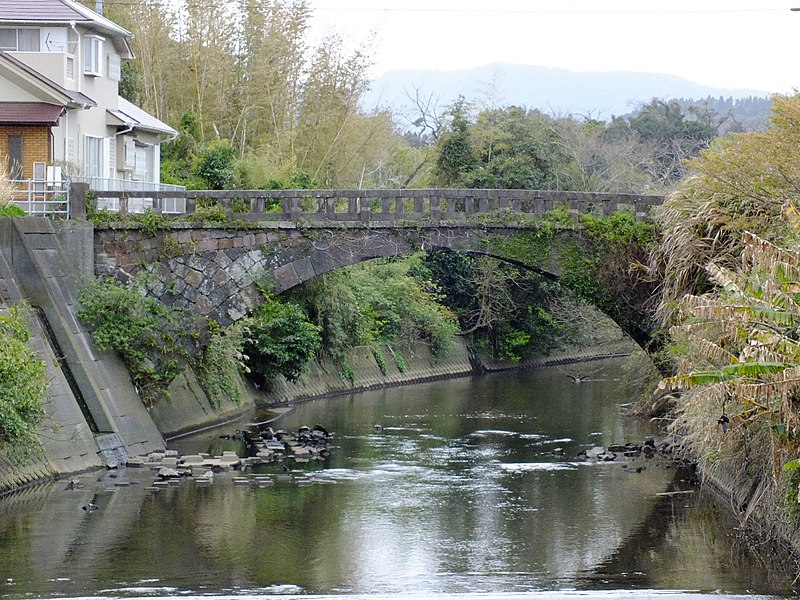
x,y
190,410
94,413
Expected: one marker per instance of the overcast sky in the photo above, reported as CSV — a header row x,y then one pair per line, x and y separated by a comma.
x,y
739,44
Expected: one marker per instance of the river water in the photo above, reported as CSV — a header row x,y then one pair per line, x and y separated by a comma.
x,y
470,488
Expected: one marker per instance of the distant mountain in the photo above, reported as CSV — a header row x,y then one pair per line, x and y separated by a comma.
x,y
555,91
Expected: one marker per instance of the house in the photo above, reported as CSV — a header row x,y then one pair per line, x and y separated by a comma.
x,y
60,111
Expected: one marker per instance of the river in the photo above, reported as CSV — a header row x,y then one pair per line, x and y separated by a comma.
x,y
466,488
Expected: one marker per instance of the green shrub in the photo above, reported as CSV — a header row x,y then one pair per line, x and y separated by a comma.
x,y
23,385
280,340
12,210
155,341
208,212
381,362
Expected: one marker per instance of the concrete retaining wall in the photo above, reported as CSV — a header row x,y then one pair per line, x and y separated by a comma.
x,y
189,409
37,267
68,443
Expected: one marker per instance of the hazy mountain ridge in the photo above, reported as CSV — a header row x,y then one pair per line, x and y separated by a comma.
x,y
555,91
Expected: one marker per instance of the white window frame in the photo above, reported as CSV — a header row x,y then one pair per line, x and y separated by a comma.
x,y
94,164
93,56
113,66
16,46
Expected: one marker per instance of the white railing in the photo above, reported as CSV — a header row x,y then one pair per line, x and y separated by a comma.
x,y
98,185
41,198
102,184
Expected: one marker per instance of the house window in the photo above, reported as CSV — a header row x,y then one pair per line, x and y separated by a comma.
x,y
113,66
93,163
15,156
92,55
20,40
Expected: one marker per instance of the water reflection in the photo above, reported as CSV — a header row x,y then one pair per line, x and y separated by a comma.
x,y
459,491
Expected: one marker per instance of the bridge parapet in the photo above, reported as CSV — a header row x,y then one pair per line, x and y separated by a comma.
x,y
383,205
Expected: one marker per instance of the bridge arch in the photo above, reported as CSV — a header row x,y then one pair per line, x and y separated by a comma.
x,y
220,273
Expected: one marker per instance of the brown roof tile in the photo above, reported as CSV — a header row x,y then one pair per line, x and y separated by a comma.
x,y
29,113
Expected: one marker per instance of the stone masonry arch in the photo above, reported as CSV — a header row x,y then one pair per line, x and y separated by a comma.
x,y
220,273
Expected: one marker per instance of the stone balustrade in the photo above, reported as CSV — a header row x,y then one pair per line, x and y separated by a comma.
x,y
384,205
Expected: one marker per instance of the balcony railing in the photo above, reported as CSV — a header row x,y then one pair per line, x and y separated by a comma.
x,y
101,184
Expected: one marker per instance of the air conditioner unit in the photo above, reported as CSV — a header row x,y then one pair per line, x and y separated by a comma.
x,y
126,153
53,174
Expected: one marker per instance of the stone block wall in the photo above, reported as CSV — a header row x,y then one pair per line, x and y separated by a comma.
x,y
211,272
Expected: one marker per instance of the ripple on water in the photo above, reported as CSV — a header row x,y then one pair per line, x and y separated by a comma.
x,y
538,466
493,433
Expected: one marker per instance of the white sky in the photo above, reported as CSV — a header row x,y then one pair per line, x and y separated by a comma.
x,y
740,44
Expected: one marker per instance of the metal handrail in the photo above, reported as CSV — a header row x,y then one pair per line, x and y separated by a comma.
x,y
41,198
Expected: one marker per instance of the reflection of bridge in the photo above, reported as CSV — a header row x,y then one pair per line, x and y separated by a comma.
x,y
291,236
376,205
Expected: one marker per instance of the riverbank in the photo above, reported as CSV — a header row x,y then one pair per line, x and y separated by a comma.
x,y
189,409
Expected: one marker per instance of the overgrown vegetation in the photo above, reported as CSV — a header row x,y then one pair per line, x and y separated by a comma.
x,y
220,362
158,342
506,310
155,341
731,266
602,260
280,340
23,385
374,303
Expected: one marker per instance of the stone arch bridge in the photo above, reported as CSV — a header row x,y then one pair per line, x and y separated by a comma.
x,y
278,239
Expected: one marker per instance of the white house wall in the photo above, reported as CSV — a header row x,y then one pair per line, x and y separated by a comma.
x,y
61,60
14,93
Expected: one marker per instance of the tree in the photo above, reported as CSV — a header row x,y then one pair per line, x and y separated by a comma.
x,y
504,148
216,165
156,76
518,150
674,137
457,157
603,157
503,308
271,56
331,132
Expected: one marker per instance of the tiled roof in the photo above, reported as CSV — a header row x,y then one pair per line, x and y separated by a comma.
x,y
133,115
55,11
38,10
29,113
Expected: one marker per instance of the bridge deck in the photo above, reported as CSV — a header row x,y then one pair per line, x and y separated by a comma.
x,y
384,205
